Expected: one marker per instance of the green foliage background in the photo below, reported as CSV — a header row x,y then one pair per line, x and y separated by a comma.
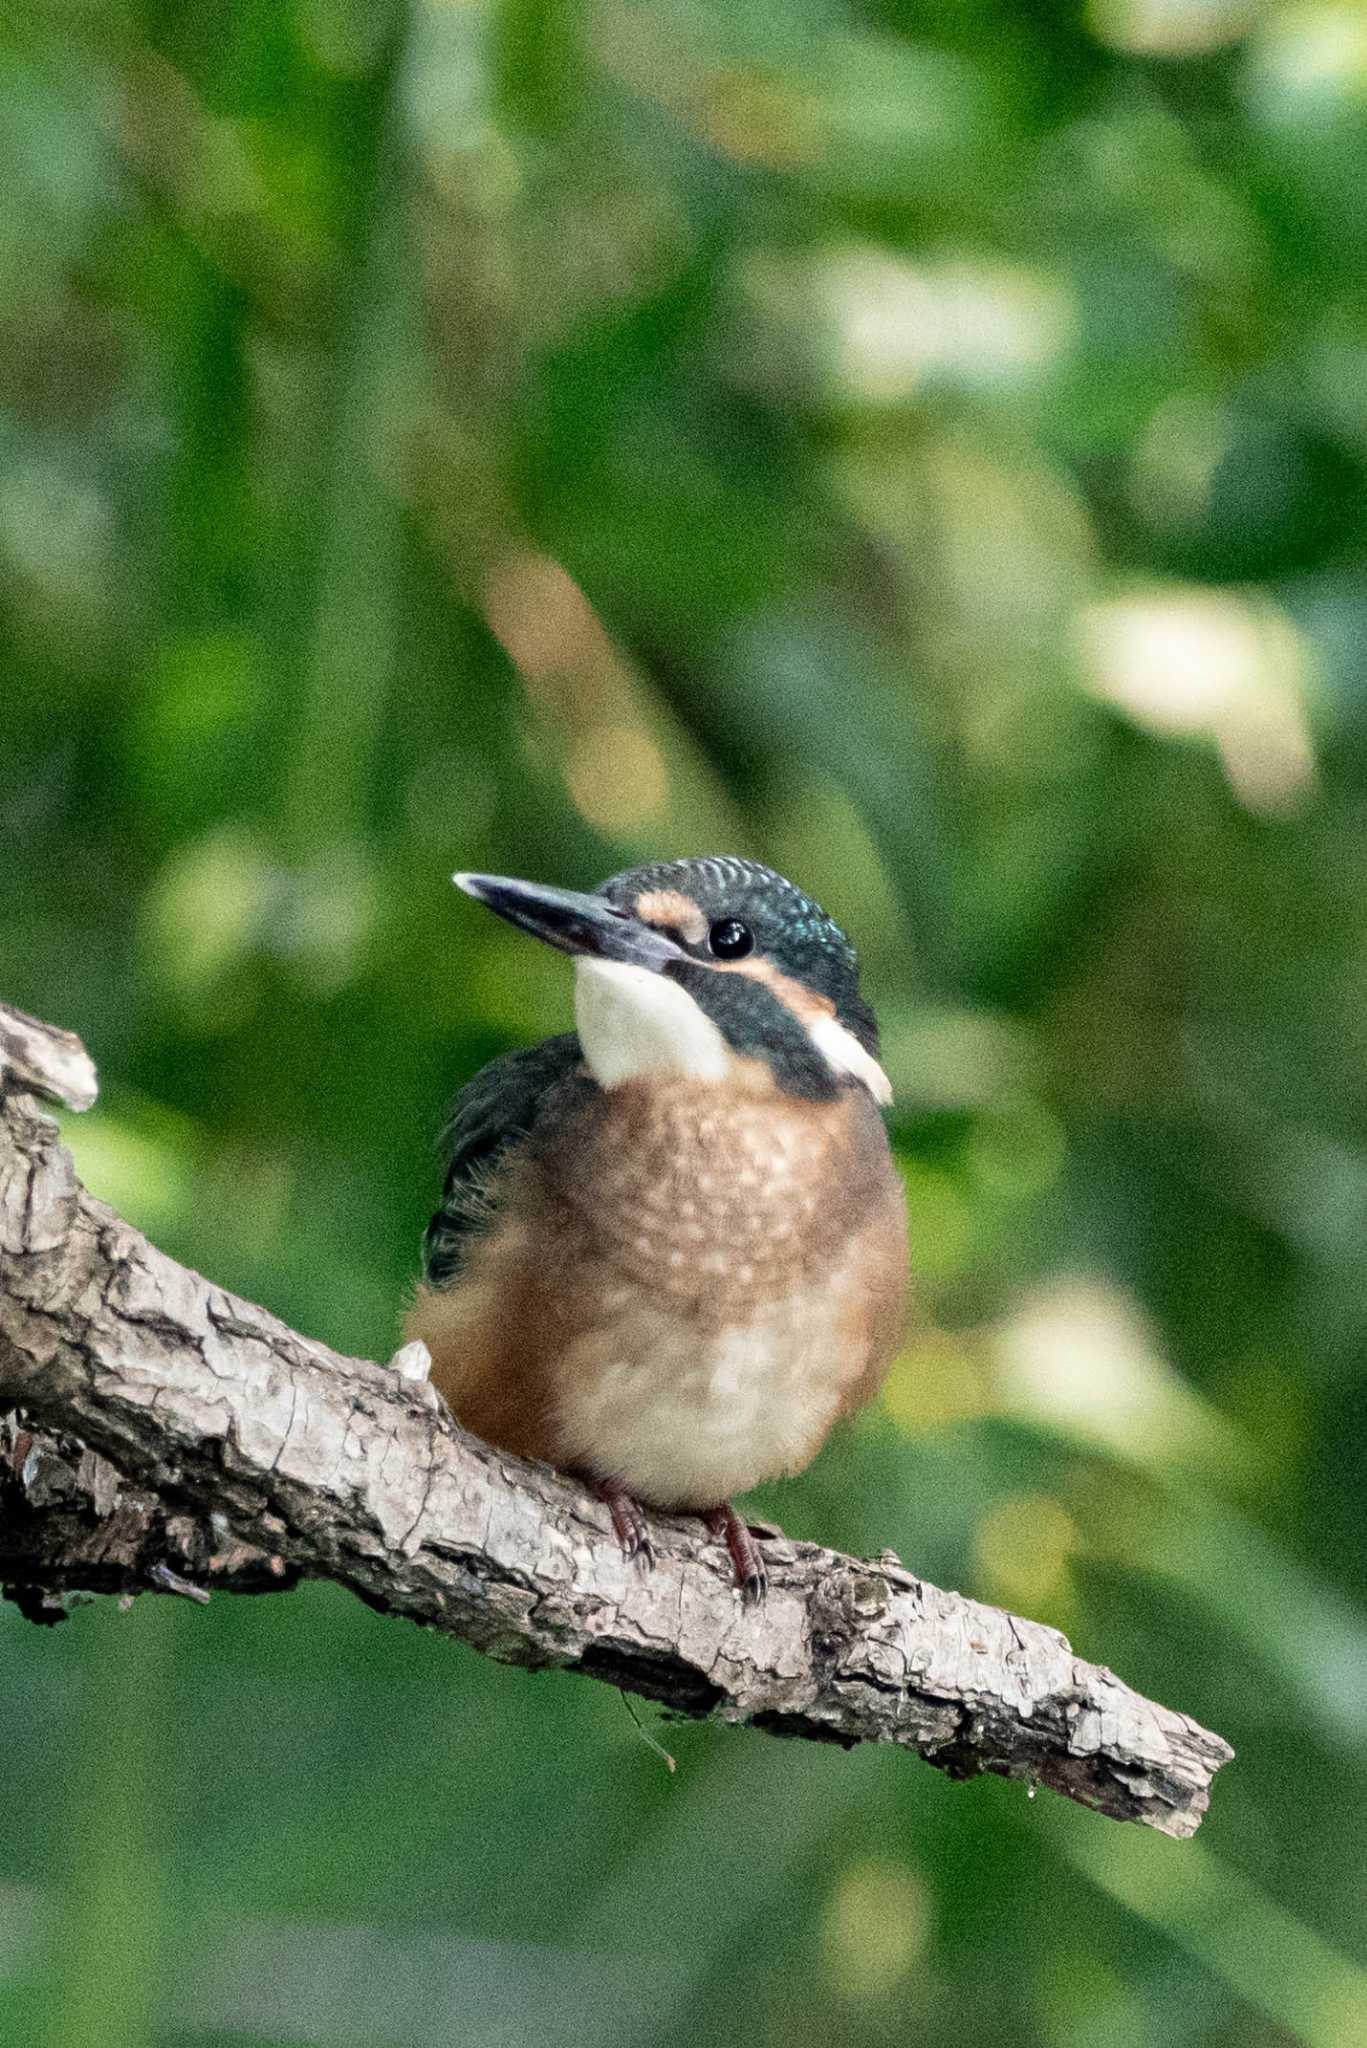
x,y
922,446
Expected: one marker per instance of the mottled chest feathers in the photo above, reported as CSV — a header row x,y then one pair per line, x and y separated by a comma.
x,y
713,1193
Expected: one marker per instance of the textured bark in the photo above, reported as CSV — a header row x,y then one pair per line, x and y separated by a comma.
x,y
158,1434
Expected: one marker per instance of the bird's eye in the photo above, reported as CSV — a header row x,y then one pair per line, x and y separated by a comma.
x,y
729,939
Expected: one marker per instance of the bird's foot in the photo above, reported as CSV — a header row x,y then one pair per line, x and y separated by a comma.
x,y
628,1519
748,1563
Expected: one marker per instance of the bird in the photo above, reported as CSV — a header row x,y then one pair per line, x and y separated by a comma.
x,y
670,1251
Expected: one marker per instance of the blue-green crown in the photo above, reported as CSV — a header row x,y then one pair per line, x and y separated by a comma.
x,y
789,928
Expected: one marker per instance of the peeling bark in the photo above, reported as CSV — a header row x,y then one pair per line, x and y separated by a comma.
x,y
158,1434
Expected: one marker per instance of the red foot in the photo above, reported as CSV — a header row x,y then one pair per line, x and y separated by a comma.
x,y
628,1519
751,1576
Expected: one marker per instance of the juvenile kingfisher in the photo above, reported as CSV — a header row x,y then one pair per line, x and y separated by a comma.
x,y
671,1246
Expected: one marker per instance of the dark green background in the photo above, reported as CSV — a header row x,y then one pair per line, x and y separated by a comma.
x,y
921,446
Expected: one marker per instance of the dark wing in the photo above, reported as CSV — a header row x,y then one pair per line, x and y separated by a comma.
x,y
492,1115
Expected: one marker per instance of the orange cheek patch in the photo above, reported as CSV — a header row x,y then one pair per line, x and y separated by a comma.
x,y
817,1014
803,1002
671,908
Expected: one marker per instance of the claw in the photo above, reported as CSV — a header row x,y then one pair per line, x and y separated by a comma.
x,y
628,1519
746,1558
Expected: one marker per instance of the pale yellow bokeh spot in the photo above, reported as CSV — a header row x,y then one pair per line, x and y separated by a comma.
x,y
143,1164
1183,660
875,1928
549,630
1170,28
206,908
539,615
938,1379
616,777
1022,1547
1309,61
1340,2015
892,325
1081,1356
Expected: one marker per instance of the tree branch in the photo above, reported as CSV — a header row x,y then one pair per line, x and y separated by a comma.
x,y
166,1436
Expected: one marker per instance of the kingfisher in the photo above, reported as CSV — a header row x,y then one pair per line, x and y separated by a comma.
x,y
671,1246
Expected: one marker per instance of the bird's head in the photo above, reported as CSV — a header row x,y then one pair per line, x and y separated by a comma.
x,y
714,968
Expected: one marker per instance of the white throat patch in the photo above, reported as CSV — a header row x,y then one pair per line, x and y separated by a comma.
x,y
633,1022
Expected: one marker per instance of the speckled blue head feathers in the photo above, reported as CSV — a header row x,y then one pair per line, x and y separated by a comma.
x,y
785,926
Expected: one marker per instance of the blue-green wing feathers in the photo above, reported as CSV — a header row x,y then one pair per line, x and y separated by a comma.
x,y
493,1114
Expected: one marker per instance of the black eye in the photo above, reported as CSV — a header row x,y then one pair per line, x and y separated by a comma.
x,y
730,939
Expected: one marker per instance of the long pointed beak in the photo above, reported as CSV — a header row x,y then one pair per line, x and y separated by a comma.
x,y
573,921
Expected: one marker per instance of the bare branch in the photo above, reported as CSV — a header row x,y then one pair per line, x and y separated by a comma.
x,y
44,1060
168,1436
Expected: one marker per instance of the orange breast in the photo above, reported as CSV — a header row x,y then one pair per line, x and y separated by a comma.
x,y
682,1289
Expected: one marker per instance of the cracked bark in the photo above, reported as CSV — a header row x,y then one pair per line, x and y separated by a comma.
x,y
158,1434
